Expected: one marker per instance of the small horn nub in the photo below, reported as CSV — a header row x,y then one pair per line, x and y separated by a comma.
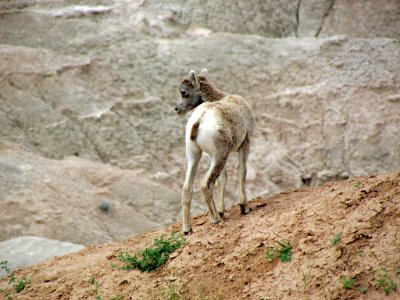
x,y
193,78
204,72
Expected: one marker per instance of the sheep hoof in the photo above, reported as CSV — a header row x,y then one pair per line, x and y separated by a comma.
x,y
188,232
221,214
216,221
243,210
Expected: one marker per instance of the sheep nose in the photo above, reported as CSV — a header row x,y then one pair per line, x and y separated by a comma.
x,y
176,109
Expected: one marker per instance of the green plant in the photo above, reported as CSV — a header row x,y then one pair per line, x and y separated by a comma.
x,y
17,286
270,253
347,282
12,279
4,266
118,297
174,292
336,239
96,284
171,291
384,282
151,258
357,184
281,250
21,284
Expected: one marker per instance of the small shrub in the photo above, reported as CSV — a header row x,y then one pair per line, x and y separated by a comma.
x,y
17,286
384,282
347,282
20,286
336,239
281,250
151,258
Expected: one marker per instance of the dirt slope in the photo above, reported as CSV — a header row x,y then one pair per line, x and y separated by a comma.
x,y
227,261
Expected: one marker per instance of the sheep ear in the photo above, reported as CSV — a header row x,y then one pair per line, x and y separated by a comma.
x,y
204,73
193,78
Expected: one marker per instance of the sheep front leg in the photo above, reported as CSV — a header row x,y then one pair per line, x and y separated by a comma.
x,y
193,156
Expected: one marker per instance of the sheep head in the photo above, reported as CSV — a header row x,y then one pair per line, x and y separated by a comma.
x,y
190,93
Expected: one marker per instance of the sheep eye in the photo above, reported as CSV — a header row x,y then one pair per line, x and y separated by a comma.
x,y
184,94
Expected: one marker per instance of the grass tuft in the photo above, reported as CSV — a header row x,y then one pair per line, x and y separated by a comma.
x,y
384,282
96,289
12,279
171,291
357,185
347,282
336,239
281,250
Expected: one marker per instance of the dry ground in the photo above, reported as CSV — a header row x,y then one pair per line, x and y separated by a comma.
x,y
227,261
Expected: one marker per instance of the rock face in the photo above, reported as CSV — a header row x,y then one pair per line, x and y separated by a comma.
x,y
29,250
363,18
101,84
77,200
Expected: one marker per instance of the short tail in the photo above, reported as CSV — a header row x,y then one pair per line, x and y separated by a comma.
x,y
194,131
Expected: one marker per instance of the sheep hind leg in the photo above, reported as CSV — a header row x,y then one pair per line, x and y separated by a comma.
x,y
217,166
242,171
222,179
192,160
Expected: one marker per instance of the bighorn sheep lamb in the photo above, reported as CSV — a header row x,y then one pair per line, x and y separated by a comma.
x,y
219,125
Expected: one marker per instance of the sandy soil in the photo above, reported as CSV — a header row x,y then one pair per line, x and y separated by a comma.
x,y
227,261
